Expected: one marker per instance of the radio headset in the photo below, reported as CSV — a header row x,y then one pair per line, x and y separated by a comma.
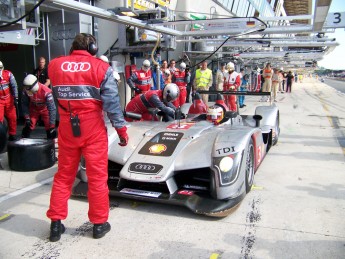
x,y
92,47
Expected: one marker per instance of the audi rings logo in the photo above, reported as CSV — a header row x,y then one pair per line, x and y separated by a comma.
x,y
145,168
75,66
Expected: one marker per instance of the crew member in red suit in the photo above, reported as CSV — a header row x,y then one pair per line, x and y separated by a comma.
x,y
232,82
181,77
8,101
37,101
160,99
84,86
141,80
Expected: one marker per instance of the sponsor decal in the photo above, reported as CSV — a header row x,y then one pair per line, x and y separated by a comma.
x,y
185,192
157,148
141,192
196,187
259,154
75,66
145,168
225,150
154,147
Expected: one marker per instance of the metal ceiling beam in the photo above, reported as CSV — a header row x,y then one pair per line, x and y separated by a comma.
x,y
110,16
320,14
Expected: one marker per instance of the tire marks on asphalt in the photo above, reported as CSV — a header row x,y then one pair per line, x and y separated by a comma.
x,y
248,240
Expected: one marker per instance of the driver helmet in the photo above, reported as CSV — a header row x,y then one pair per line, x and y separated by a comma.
x,y
170,92
30,83
215,114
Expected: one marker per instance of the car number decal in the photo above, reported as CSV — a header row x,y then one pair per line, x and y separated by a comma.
x,y
182,126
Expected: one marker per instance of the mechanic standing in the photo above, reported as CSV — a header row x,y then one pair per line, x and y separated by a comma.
x,y
232,82
181,78
203,80
160,99
37,101
84,85
141,80
8,101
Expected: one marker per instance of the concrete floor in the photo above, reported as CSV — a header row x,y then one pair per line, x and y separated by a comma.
x,y
295,210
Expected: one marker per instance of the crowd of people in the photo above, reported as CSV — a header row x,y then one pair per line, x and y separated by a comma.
x,y
82,88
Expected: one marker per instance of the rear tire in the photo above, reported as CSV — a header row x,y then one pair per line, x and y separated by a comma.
x,y
249,166
31,154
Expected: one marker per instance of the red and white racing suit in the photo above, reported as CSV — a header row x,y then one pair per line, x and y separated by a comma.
x,y
83,86
181,79
8,95
39,104
232,82
151,99
140,81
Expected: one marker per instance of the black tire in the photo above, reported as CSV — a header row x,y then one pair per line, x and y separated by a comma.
x,y
3,135
277,130
31,154
249,166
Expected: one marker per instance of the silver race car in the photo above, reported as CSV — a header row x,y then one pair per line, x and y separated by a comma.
x,y
190,162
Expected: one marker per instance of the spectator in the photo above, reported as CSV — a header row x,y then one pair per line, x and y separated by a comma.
x,y
172,66
275,83
220,75
41,72
267,74
166,72
154,79
203,80
8,101
38,102
243,87
289,80
82,95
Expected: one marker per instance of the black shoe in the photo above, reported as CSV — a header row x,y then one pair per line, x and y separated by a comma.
x,y
12,138
241,106
56,229
99,230
244,105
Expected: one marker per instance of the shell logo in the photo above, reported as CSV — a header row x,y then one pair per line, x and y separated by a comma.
x,y
157,148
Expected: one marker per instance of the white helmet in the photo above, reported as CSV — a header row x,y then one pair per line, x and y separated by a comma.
x,y
167,72
183,65
1,65
104,58
170,92
230,66
30,83
146,63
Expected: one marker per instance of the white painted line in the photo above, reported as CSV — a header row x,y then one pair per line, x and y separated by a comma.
x,y
26,189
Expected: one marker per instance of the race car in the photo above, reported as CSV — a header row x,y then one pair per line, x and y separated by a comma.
x,y
191,162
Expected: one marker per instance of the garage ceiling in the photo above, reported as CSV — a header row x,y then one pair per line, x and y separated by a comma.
x,y
298,7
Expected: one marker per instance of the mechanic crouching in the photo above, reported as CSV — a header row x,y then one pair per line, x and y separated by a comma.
x,y
159,100
84,86
37,101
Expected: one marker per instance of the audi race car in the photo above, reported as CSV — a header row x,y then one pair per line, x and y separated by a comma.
x,y
190,162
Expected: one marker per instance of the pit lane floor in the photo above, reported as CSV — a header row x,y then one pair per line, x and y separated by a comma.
x,y
295,210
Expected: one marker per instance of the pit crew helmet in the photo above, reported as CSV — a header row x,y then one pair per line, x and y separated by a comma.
x,y
1,66
167,72
183,66
215,114
30,83
104,58
230,66
170,92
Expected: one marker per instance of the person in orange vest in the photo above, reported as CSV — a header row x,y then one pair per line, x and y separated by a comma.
x,y
181,78
141,80
8,101
232,82
267,74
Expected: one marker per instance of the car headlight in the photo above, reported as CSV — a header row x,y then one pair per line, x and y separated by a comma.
x,y
226,164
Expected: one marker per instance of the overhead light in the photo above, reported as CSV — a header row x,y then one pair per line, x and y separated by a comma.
x,y
124,11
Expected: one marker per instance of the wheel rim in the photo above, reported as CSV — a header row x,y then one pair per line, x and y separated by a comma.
x,y
250,165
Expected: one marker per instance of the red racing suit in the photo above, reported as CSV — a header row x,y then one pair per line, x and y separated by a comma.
x,y
140,81
181,79
83,85
8,96
39,104
232,82
151,99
